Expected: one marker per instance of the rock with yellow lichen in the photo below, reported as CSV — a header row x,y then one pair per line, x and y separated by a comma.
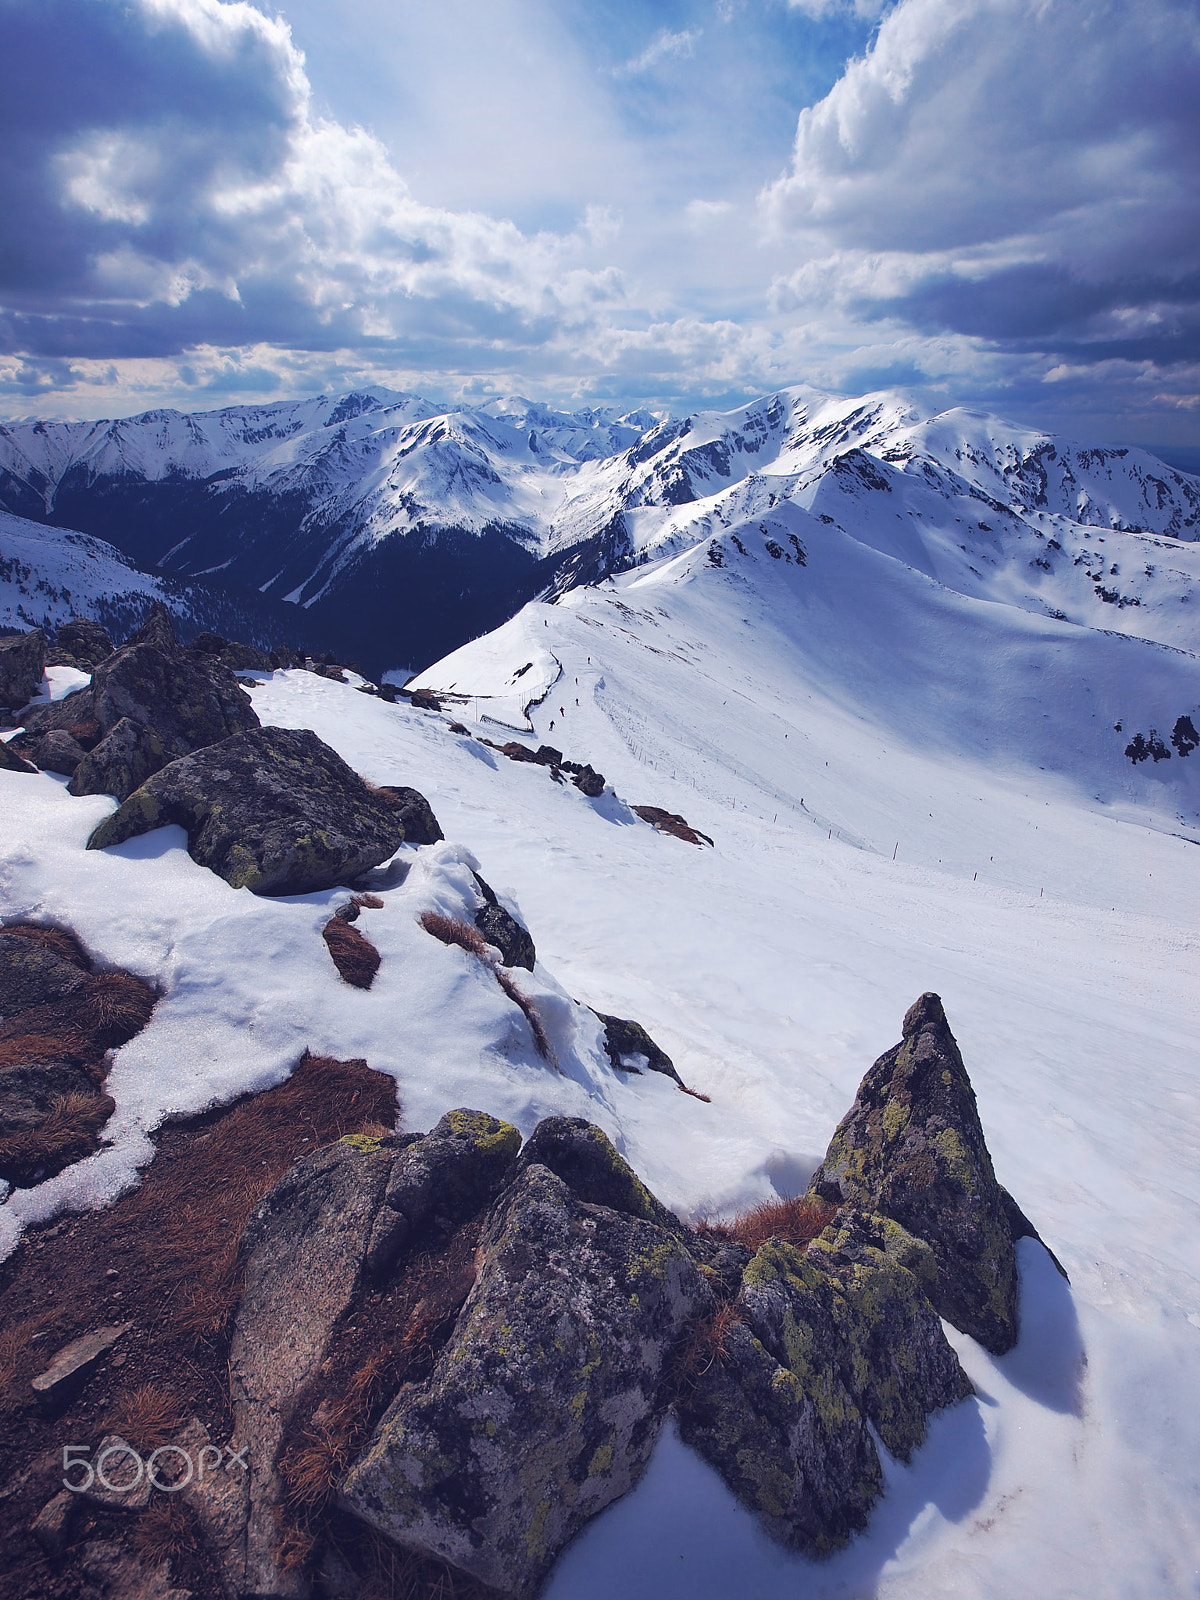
x,y
274,810
453,1171
544,1406
911,1148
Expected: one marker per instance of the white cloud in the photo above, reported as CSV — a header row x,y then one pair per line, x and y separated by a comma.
x,y
665,46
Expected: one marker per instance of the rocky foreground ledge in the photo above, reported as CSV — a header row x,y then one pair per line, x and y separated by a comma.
x,y
466,1347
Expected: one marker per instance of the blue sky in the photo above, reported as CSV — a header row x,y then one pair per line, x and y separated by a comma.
x,y
990,202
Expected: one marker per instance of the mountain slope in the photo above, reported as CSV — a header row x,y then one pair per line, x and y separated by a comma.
x,y
404,528
48,576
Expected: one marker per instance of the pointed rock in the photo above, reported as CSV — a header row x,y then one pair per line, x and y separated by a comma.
x,y
912,1148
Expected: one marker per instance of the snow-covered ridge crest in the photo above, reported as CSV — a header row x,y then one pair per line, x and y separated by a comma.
x,y
373,509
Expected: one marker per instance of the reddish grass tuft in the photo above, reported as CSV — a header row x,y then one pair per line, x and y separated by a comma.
x,y
797,1221
114,1006
58,940
147,1417
705,1342
355,957
532,1016
190,1213
452,930
67,1134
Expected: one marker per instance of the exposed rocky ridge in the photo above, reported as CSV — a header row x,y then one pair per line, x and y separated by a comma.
x,y
581,1314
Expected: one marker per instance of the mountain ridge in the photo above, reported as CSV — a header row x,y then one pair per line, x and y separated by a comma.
x,y
397,524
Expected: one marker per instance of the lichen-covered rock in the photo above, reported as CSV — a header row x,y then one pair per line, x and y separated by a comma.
x,y
304,1249
84,640
912,1148
501,928
420,824
544,1406
795,1451
128,754
274,810
895,1358
584,1157
58,752
31,974
450,1173
631,1049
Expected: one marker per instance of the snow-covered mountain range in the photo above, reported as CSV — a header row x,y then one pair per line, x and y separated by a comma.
x,y
400,526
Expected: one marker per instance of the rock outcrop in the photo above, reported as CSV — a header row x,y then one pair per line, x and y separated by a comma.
x,y
304,1251
500,928
153,683
454,1170
912,1148
84,641
420,824
631,1049
544,1407
129,753
22,663
274,810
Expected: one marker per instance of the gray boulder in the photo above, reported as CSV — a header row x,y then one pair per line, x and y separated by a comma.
x,y
304,1249
128,754
545,1405
448,1175
22,663
584,1157
12,760
631,1049
58,752
152,681
274,810
501,928
420,824
912,1148
84,641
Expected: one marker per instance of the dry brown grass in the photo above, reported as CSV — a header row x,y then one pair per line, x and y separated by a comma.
x,y
18,1354
58,940
100,1015
532,1016
147,1417
355,957
114,1006
67,1134
452,930
797,1221
167,1531
191,1211
705,1342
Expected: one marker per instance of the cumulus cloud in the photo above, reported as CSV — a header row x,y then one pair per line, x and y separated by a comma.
x,y
168,182
1014,170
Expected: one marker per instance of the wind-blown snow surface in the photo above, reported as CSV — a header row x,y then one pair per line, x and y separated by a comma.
x,y
908,789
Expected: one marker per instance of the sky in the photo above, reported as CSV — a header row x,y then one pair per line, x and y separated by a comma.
x,y
993,203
